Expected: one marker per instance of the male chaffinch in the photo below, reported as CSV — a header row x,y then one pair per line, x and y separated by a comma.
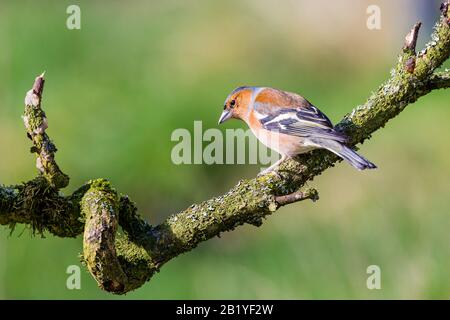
x,y
288,123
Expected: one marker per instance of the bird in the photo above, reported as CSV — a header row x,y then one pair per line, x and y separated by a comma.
x,y
288,123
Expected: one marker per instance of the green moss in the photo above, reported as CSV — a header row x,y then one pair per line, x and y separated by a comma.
x,y
36,123
42,207
118,264
33,118
136,262
7,197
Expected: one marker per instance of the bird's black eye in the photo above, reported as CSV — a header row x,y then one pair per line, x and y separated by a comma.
x,y
232,103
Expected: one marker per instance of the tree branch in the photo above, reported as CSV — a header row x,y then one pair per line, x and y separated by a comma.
x,y
121,262
411,38
36,123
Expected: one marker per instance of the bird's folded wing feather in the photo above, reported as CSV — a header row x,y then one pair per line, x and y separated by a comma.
x,y
305,121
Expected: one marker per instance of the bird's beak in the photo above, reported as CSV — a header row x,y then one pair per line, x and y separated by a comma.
x,y
226,114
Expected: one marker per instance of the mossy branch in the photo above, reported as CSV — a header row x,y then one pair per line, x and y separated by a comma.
x,y
122,251
36,123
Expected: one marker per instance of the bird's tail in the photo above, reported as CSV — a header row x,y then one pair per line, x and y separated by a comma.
x,y
346,153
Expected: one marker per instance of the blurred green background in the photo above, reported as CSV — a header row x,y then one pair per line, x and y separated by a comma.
x,y
117,88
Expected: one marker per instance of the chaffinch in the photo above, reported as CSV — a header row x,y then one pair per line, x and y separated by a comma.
x,y
288,123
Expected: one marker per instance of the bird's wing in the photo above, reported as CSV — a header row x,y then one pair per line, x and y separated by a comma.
x,y
302,120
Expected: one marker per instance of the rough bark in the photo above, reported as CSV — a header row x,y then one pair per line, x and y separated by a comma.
x,y
123,261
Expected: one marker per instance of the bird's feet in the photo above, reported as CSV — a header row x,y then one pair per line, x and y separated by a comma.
x,y
269,170
273,168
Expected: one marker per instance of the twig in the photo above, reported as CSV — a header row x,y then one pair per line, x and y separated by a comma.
x,y
298,196
36,123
